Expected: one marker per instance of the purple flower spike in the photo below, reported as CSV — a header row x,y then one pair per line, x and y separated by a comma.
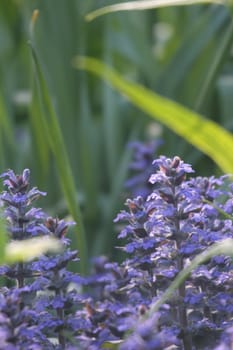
x,y
162,233
170,169
43,286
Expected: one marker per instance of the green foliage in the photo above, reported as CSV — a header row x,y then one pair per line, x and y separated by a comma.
x,y
52,132
3,240
204,134
29,249
144,5
182,53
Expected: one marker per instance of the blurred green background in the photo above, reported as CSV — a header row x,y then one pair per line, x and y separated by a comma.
x,y
183,53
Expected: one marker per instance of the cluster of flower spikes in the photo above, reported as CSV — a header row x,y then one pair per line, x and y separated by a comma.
x,y
177,221
37,306
180,219
113,309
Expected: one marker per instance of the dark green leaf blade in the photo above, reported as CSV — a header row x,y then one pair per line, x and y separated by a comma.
x,y
55,138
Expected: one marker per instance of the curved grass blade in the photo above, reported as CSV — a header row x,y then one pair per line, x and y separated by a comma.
x,y
39,130
221,248
188,61
54,136
204,134
144,5
216,65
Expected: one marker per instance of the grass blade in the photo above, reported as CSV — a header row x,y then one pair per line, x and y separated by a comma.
x,y
3,238
54,135
144,5
188,60
216,65
221,248
39,130
204,134
5,120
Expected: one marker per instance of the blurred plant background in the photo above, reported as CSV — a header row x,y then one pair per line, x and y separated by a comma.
x,y
183,53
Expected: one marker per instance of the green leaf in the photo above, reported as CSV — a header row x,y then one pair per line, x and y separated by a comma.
x,y
39,130
215,66
29,249
204,134
185,74
225,98
3,239
5,120
114,344
55,138
145,5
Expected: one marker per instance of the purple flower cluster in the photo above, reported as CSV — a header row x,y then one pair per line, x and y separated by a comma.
x,y
178,220
39,306
47,307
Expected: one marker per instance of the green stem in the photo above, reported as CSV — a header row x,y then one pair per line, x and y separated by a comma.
x,y
216,65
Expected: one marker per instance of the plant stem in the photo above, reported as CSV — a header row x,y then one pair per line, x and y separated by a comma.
x,y
20,278
60,314
182,311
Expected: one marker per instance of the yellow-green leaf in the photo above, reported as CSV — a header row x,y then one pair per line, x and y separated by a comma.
x,y
202,133
144,5
114,344
3,238
29,249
